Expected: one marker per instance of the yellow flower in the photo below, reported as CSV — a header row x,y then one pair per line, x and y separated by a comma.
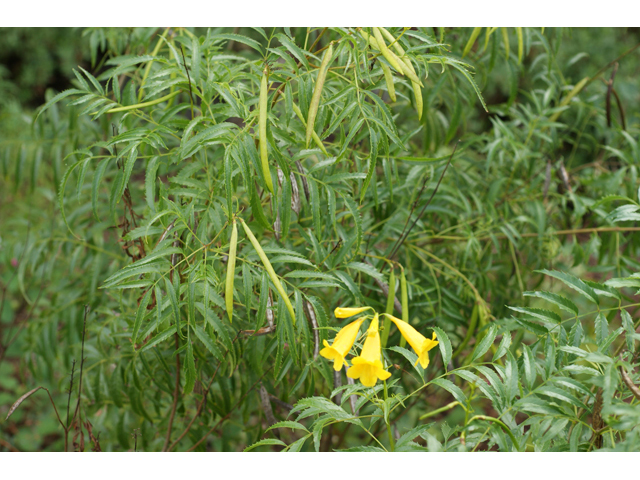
x,y
419,343
368,367
349,312
341,344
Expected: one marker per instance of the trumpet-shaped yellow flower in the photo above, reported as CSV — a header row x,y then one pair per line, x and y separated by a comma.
x,y
418,342
368,367
349,312
341,344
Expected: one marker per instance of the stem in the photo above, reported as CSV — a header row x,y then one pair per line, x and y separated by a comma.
x,y
176,394
392,443
440,410
144,104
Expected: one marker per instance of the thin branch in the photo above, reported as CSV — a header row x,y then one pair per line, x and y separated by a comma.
x,y
176,396
204,399
404,235
188,78
629,383
66,427
84,331
204,437
8,446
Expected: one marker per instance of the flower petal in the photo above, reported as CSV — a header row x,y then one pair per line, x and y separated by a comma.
x,y
345,312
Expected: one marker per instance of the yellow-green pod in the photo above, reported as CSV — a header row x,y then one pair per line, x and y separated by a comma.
x,y
505,39
565,101
405,63
262,127
472,40
391,296
386,53
267,266
520,44
314,135
392,40
417,91
391,88
317,92
231,268
404,300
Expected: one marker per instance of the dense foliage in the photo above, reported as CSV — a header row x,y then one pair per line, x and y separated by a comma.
x,y
181,219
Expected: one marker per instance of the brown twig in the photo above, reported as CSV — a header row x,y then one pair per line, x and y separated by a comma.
x,y
215,427
629,383
66,427
84,331
176,396
404,234
608,96
184,62
204,399
8,446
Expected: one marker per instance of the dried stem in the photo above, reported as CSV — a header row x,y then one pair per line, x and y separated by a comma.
x,y
204,437
202,402
176,396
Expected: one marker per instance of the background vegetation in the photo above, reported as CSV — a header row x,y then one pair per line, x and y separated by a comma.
x,y
126,155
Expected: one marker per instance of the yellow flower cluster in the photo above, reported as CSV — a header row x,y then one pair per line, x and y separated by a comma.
x,y
368,365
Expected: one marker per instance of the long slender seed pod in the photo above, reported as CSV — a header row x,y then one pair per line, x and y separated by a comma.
x,y
231,267
566,100
520,44
472,40
407,67
417,91
505,39
393,41
314,135
389,79
267,266
386,53
389,310
404,299
262,124
317,92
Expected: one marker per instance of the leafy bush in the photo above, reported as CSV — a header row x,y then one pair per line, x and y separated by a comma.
x,y
181,223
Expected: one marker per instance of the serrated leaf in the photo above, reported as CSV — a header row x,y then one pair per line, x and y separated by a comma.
x,y
445,346
574,283
485,343
452,389
559,300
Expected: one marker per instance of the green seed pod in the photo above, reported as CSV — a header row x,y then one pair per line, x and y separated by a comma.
x,y
404,299
314,135
262,127
389,310
417,91
267,266
389,79
231,267
317,91
386,53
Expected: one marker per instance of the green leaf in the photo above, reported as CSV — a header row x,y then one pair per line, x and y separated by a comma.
x,y
265,442
140,314
445,346
575,283
161,337
540,313
485,343
288,424
503,348
452,389
529,365
189,370
559,300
